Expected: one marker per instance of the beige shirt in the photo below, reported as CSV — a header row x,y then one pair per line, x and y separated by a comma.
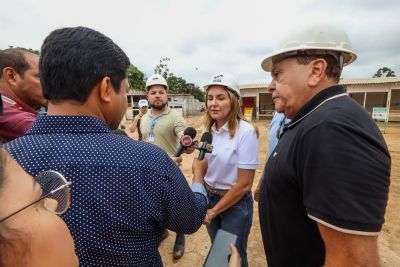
x,y
166,129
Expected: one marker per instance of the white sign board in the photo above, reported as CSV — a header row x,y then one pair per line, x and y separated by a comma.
x,y
379,113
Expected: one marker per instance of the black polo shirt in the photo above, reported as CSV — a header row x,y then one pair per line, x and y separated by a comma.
x,y
330,166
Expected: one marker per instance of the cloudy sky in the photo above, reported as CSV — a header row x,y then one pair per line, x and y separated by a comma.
x,y
206,36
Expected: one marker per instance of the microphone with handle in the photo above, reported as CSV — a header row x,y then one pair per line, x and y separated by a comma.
x,y
186,140
206,145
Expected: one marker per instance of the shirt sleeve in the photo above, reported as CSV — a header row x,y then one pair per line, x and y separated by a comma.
x,y
179,125
16,125
186,209
200,189
345,175
248,150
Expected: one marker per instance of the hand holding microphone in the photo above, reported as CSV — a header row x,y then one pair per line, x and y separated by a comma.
x,y
199,165
186,140
206,145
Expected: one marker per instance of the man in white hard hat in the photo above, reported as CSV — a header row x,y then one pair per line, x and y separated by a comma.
x,y
143,104
135,125
163,127
325,189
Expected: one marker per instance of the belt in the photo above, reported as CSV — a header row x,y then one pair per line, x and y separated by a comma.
x,y
214,191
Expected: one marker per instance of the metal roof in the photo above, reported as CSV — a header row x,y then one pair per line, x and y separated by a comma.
x,y
254,86
141,93
344,82
133,91
371,80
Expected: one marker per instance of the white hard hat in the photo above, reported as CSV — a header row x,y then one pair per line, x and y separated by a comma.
x,y
226,80
143,103
314,40
156,79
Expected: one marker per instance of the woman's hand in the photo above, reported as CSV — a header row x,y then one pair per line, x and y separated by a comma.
x,y
234,260
210,215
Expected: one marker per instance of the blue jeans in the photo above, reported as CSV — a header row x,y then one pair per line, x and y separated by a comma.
x,y
236,220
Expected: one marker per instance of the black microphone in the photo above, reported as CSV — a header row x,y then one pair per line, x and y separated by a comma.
x,y
186,140
206,146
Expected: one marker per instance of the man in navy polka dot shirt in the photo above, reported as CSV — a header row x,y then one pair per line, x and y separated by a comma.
x,y
124,191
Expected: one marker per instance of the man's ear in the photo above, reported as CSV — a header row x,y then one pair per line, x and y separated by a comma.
x,y
105,89
317,71
10,75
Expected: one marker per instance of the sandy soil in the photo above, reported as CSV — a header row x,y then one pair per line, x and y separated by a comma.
x,y
198,244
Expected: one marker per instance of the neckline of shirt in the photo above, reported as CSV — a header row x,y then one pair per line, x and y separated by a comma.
x,y
12,99
319,99
222,128
69,124
166,111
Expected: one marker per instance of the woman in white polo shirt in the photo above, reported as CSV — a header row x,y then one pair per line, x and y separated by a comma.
x,y
232,163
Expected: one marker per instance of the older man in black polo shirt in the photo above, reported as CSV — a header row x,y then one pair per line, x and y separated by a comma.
x,y
324,194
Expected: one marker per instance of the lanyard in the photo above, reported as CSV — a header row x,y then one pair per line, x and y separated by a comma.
x,y
153,122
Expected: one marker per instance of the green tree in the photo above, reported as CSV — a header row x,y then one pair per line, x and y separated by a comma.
x,y
384,72
162,68
199,94
177,85
136,78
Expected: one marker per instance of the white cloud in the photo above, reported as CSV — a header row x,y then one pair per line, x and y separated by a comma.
x,y
203,37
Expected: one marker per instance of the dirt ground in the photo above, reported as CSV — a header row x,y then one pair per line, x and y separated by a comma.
x,y
198,244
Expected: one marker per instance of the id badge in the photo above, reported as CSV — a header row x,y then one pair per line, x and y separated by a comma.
x,y
150,137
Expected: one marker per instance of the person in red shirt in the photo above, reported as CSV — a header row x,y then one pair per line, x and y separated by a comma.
x,y
1,105
20,91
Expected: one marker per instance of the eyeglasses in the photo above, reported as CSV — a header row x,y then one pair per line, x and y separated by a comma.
x,y
54,186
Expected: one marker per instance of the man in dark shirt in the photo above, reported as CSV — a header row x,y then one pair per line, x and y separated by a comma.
x,y
21,92
324,194
125,192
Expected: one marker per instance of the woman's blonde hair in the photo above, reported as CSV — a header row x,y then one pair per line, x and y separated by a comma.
x,y
233,117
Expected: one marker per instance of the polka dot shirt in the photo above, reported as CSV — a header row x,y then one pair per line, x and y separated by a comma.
x,y
124,192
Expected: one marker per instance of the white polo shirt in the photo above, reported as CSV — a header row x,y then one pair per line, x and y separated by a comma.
x,y
229,155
